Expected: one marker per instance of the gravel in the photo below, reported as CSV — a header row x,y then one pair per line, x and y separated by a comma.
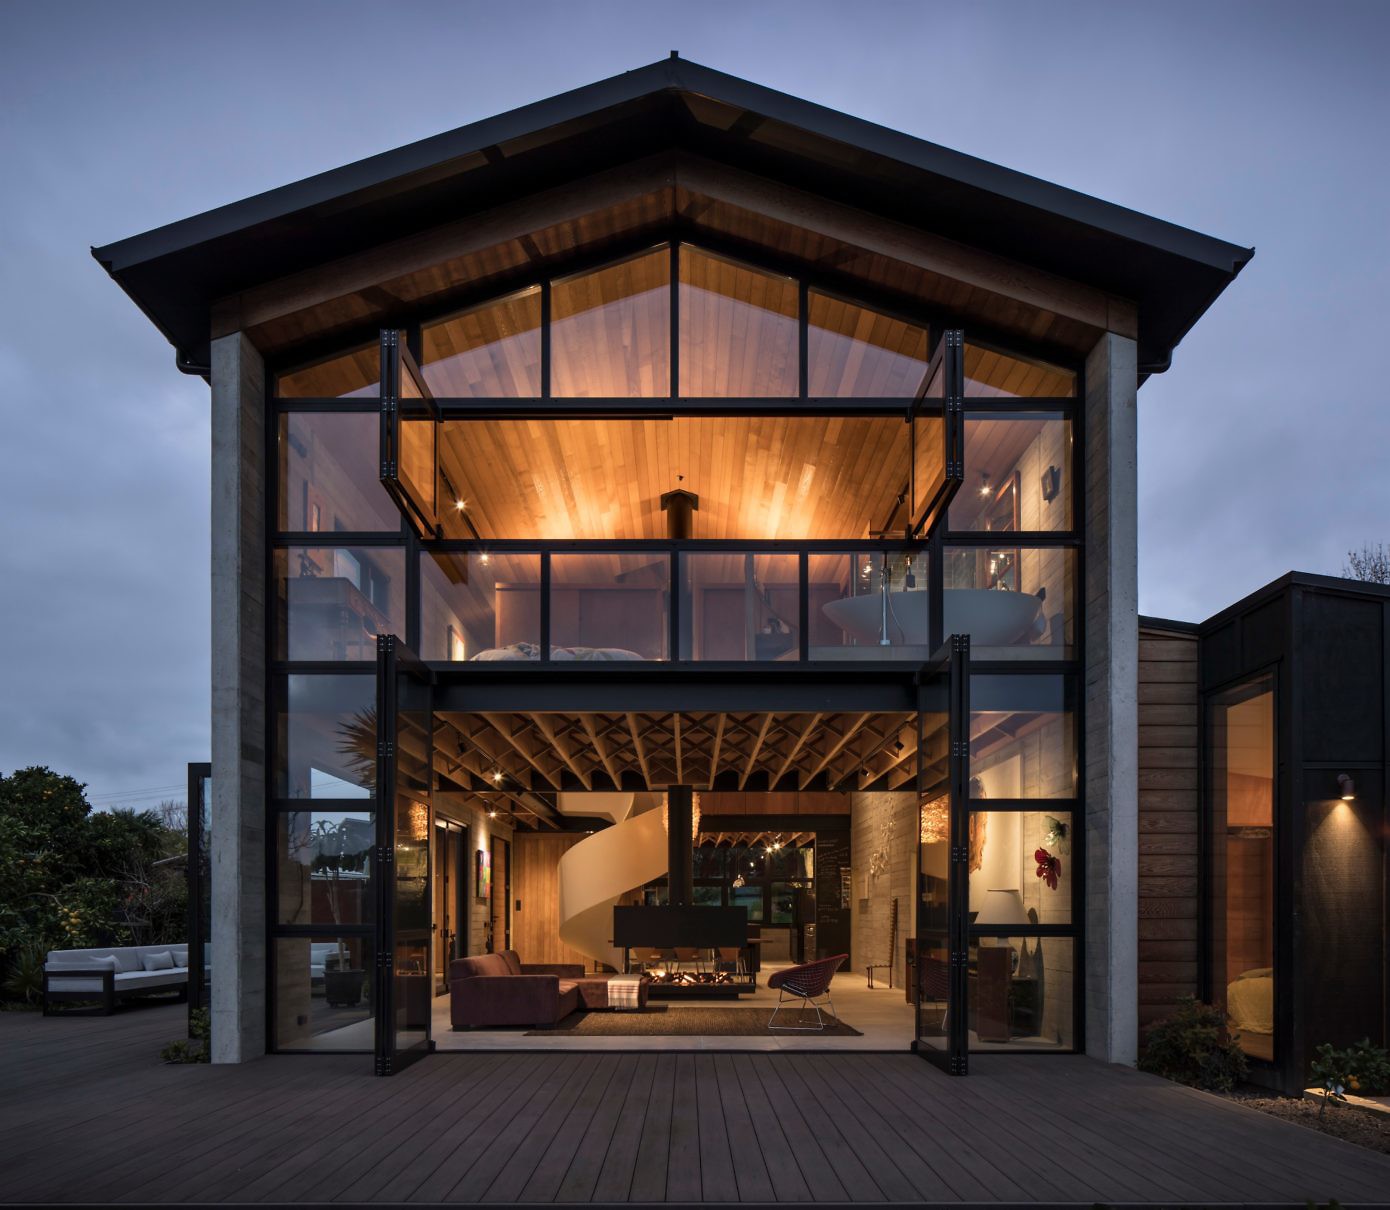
x,y
1354,1125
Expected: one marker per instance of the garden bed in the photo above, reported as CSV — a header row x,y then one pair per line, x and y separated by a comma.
x,y
1341,1121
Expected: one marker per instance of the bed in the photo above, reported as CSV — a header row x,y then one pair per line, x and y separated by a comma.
x,y
1250,1001
532,651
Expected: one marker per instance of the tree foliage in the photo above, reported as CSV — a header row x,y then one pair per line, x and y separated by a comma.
x,y
1370,564
72,878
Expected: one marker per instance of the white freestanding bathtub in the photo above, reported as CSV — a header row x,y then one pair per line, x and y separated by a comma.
x,y
991,617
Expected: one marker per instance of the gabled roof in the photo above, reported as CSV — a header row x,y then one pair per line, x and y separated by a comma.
x,y
175,272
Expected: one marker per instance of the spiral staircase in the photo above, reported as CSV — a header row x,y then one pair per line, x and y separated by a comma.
x,y
602,868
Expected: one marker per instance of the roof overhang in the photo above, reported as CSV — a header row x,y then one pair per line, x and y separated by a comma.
x,y
176,273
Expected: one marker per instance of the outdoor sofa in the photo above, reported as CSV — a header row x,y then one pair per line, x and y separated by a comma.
x,y
110,973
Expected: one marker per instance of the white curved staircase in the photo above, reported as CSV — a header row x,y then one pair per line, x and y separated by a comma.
x,y
597,872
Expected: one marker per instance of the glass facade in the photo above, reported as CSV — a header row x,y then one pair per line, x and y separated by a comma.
x,y
599,582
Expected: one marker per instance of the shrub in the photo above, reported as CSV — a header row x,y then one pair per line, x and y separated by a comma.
x,y
24,979
1194,1047
196,1047
1361,1068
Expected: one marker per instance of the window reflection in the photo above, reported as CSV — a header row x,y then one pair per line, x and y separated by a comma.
x,y
489,351
854,351
323,998
329,474
352,375
610,330
1015,602
326,737
324,867
480,606
1023,737
740,606
990,373
332,602
1241,746
1026,856
609,606
739,329
1017,474
1021,993
868,605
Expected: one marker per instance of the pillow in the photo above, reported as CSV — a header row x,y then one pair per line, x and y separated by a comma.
x,y
180,957
1262,972
157,962
107,962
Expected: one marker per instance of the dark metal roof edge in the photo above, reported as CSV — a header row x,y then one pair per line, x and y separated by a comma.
x,y
1147,622
1316,581
676,76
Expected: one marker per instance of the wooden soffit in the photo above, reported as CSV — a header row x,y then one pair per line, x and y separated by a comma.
x,y
524,241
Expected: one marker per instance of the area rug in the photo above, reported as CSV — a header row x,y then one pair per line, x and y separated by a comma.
x,y
685,1021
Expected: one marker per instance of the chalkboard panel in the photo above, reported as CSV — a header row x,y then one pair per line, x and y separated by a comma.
x,y
832,893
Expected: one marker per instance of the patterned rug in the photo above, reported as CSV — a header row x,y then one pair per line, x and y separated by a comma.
x,y
687,1021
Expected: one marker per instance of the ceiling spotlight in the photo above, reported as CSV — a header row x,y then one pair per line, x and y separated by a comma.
x,y
460,504
492,814
984,483
483,558
497,776
1346,786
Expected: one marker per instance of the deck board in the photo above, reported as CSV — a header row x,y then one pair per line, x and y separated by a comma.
x,y
88,1113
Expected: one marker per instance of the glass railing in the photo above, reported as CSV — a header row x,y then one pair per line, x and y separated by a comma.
x,y
713,602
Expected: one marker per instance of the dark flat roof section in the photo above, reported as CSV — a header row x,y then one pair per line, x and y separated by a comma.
x,y
174,273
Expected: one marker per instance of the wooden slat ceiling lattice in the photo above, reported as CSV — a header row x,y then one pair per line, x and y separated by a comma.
x,y
547,752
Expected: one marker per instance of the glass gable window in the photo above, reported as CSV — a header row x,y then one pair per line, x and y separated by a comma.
x,y
990,373
352,375
332,602
489,351
853,351
1241,790
610,330
330,476
739,329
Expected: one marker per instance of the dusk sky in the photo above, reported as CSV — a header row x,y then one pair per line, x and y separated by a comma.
x,y
1261,450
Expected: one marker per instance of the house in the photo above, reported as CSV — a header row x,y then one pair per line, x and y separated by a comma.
x,y
675,506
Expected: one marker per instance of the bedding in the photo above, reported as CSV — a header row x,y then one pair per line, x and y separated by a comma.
x,y
532,651
1250,1001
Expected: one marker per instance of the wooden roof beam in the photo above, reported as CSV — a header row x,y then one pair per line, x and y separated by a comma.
x,y
756,749
561,746
501,725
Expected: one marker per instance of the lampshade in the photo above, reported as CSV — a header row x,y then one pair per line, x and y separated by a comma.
x,y
1002,908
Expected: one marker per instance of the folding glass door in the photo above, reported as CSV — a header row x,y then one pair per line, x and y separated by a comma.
x,y
404,715
939,974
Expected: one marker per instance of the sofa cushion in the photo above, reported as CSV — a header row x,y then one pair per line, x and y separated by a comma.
x,y
513,961
180,957
163,961
479,965
130,981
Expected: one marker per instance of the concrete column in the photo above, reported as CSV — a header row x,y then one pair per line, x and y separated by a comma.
x,y
1111,701
238,701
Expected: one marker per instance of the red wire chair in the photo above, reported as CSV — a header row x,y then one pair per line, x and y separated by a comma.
x,y
806,983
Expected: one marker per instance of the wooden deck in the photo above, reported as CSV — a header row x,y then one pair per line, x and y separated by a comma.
x,y
87,1113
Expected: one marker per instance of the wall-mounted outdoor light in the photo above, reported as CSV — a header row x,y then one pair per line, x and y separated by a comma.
x,y
1346,786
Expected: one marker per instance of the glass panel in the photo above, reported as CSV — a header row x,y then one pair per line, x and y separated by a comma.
x,y
749,897
1013,602
610,330
416,460
708,896
491,351
480,606
1020,867
1017,474
330,475
332,602
929,446
609,606
992,374
758,477
324,866
853,351
326,737
1240,738
930,948
740,606
323,993
859,599
1021,993
354,375
739,329
709,860
1023,737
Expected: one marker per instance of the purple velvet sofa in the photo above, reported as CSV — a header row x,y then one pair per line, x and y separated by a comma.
x,y
499,989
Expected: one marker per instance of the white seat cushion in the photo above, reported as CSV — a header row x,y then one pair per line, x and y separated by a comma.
x,y
140,980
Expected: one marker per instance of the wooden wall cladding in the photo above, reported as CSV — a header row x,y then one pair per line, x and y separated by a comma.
x,y
536,887
1169,814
